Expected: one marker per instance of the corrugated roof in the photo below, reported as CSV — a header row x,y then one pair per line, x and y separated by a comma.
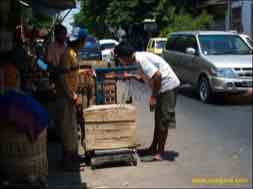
x,y
213,3
52,4
57,4
49,7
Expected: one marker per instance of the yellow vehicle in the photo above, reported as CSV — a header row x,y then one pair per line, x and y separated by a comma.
x,y
156,45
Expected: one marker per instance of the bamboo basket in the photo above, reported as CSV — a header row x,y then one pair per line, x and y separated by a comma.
x,y
20,158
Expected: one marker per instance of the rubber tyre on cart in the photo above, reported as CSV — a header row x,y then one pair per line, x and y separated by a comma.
x,y
204,90
88,156
135,159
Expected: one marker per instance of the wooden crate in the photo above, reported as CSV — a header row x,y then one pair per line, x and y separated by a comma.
x,y
110,92
110,127
86,89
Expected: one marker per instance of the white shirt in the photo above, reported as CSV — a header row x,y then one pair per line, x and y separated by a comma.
x,y
150,63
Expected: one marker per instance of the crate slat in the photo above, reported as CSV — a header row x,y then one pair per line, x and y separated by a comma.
x,y
110,113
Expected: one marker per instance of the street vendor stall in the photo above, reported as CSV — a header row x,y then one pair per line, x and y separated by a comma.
x,y
110,128
23,120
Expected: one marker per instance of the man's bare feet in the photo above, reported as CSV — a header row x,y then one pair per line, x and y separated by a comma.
x,y
158,157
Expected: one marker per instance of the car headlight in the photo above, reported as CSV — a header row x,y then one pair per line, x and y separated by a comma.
x,y
225,73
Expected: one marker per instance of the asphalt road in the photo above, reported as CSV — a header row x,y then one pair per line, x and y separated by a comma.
x,y
213,141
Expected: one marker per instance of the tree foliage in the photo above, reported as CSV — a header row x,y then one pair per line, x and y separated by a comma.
x,y
184,21
99,16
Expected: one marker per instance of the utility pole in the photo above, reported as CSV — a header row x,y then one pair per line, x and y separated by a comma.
x,y
229,15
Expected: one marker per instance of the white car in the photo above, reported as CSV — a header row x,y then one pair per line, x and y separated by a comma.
x,y
107,47
247,40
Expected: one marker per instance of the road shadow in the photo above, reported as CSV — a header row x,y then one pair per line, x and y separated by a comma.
x,y
221,100
188,91
145,156
57,177
109,165
171,155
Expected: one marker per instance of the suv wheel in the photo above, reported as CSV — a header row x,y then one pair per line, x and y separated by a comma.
x,y
204,90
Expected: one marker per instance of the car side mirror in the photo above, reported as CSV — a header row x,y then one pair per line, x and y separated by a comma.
x,y
190,51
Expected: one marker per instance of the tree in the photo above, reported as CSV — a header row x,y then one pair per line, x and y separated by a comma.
x,y
92,16
184,21
98,16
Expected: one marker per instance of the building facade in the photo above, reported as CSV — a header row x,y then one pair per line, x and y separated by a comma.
x,y
242,16
230,14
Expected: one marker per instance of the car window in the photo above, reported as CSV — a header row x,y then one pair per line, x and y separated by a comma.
x,y
160,44
190,42
90,43
180,44
170,43
91,49
107,46
222,44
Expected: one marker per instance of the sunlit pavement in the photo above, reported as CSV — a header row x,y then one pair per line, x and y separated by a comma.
x,y
214,141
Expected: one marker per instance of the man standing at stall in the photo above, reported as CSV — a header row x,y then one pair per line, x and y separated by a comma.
x,y
163,81
54,54
56,49
69,98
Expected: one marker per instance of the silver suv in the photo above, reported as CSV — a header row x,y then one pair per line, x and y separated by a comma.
x,y
211,61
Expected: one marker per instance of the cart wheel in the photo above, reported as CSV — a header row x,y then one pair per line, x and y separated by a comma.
x,y
92,164
135,159
88,156
93,167
135,163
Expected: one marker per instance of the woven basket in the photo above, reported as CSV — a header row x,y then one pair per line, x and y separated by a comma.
x,y
19,156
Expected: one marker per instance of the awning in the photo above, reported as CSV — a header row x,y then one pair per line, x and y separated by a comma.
x,y
49,7
54,4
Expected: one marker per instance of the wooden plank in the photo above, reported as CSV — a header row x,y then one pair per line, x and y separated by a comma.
x,y
107,139
110,126
103,144
110,113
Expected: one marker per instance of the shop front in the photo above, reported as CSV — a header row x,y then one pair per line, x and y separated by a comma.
x,y
23,120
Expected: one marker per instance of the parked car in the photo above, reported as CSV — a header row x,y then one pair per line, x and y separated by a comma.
x,y
156,45
247,40
107,46
211,61
91,53
91,49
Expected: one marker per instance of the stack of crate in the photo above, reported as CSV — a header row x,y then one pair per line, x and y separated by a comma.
x,y
110,92
110,134
110,126
86,88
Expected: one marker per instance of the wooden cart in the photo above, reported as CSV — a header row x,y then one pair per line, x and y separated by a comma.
x,y
110,134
